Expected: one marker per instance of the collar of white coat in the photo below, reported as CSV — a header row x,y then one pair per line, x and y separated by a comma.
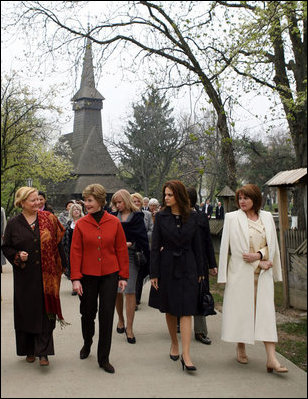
x,y
243,223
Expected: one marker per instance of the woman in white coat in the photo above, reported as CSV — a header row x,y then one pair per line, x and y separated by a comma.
x,y
248,315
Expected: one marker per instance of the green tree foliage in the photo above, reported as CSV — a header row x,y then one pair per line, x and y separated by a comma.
x,y
201,164
269,47
259,161
151,144
25,143
174,37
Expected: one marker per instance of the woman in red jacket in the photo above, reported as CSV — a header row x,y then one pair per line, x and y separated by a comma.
x,y
99,265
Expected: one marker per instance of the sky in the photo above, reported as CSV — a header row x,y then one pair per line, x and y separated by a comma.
x,y
119,89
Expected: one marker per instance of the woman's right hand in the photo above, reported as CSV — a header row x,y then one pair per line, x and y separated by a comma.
x,y
23,256
77,287
154,283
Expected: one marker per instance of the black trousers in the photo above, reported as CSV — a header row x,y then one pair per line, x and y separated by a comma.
x,y
142,273
105,289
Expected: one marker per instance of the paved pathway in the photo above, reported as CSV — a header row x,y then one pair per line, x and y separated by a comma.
x,y
143,370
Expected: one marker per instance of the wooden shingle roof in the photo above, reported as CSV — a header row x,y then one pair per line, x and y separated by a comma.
x,y
287,177
226,192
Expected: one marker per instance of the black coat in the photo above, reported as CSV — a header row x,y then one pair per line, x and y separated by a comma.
x,y
209,260
136,233
28,282
209,210
177,261
220,212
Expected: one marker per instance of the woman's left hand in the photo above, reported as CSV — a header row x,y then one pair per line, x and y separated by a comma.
x,y
122,284
265,264
213,272
251,257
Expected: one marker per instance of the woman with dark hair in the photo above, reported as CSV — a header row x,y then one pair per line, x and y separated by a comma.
x,y
43,205
176,267
249,234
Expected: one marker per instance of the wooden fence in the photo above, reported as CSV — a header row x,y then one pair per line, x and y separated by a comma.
x,y
296,263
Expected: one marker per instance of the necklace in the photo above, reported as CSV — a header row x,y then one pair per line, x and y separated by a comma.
x,y
30,217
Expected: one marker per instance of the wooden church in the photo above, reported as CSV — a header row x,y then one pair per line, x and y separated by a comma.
x,y
91,159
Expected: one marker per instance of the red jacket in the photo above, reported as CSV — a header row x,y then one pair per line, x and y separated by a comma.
x,y
98,249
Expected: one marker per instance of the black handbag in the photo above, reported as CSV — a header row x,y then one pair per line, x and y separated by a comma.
x,y
140,259
206,305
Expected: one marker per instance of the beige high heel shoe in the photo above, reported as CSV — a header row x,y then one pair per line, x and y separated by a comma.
x,y
241,355
278,369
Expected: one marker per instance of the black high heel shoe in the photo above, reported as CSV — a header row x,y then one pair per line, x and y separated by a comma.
x,y
188,368
174,357
129,339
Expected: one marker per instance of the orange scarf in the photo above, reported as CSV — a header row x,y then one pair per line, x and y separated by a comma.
x,y
51,233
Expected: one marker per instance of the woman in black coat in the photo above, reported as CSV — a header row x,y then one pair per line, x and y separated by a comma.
x,y
32,244
137,240
176,266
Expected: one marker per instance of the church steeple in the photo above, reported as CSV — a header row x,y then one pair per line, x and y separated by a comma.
x,y
87,85
87,104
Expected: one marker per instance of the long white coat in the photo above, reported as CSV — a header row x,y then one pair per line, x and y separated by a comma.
x,y
238,321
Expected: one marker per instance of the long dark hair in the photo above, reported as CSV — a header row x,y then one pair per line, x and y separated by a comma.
x,y
180,195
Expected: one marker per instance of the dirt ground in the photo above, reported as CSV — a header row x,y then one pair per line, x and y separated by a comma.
x,y
290,315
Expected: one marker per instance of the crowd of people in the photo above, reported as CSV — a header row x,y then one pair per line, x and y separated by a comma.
x,y
110,251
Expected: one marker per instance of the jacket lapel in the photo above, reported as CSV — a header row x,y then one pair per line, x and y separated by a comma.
x,y
268,229
243,228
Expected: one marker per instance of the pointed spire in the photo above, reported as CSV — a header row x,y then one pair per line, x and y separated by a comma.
x,y
87,77
87,85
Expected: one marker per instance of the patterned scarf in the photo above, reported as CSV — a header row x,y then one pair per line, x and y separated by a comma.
x,y
51,233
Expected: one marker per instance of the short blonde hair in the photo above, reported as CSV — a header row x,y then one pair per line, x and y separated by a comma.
x,y
137,195
127,199
22,194
98,192
70,212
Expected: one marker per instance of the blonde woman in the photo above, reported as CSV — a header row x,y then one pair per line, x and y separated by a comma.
x,y
145,269
31,244
138,201
75,213
136,239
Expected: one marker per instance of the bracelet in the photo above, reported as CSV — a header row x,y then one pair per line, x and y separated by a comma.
x,y
259,252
